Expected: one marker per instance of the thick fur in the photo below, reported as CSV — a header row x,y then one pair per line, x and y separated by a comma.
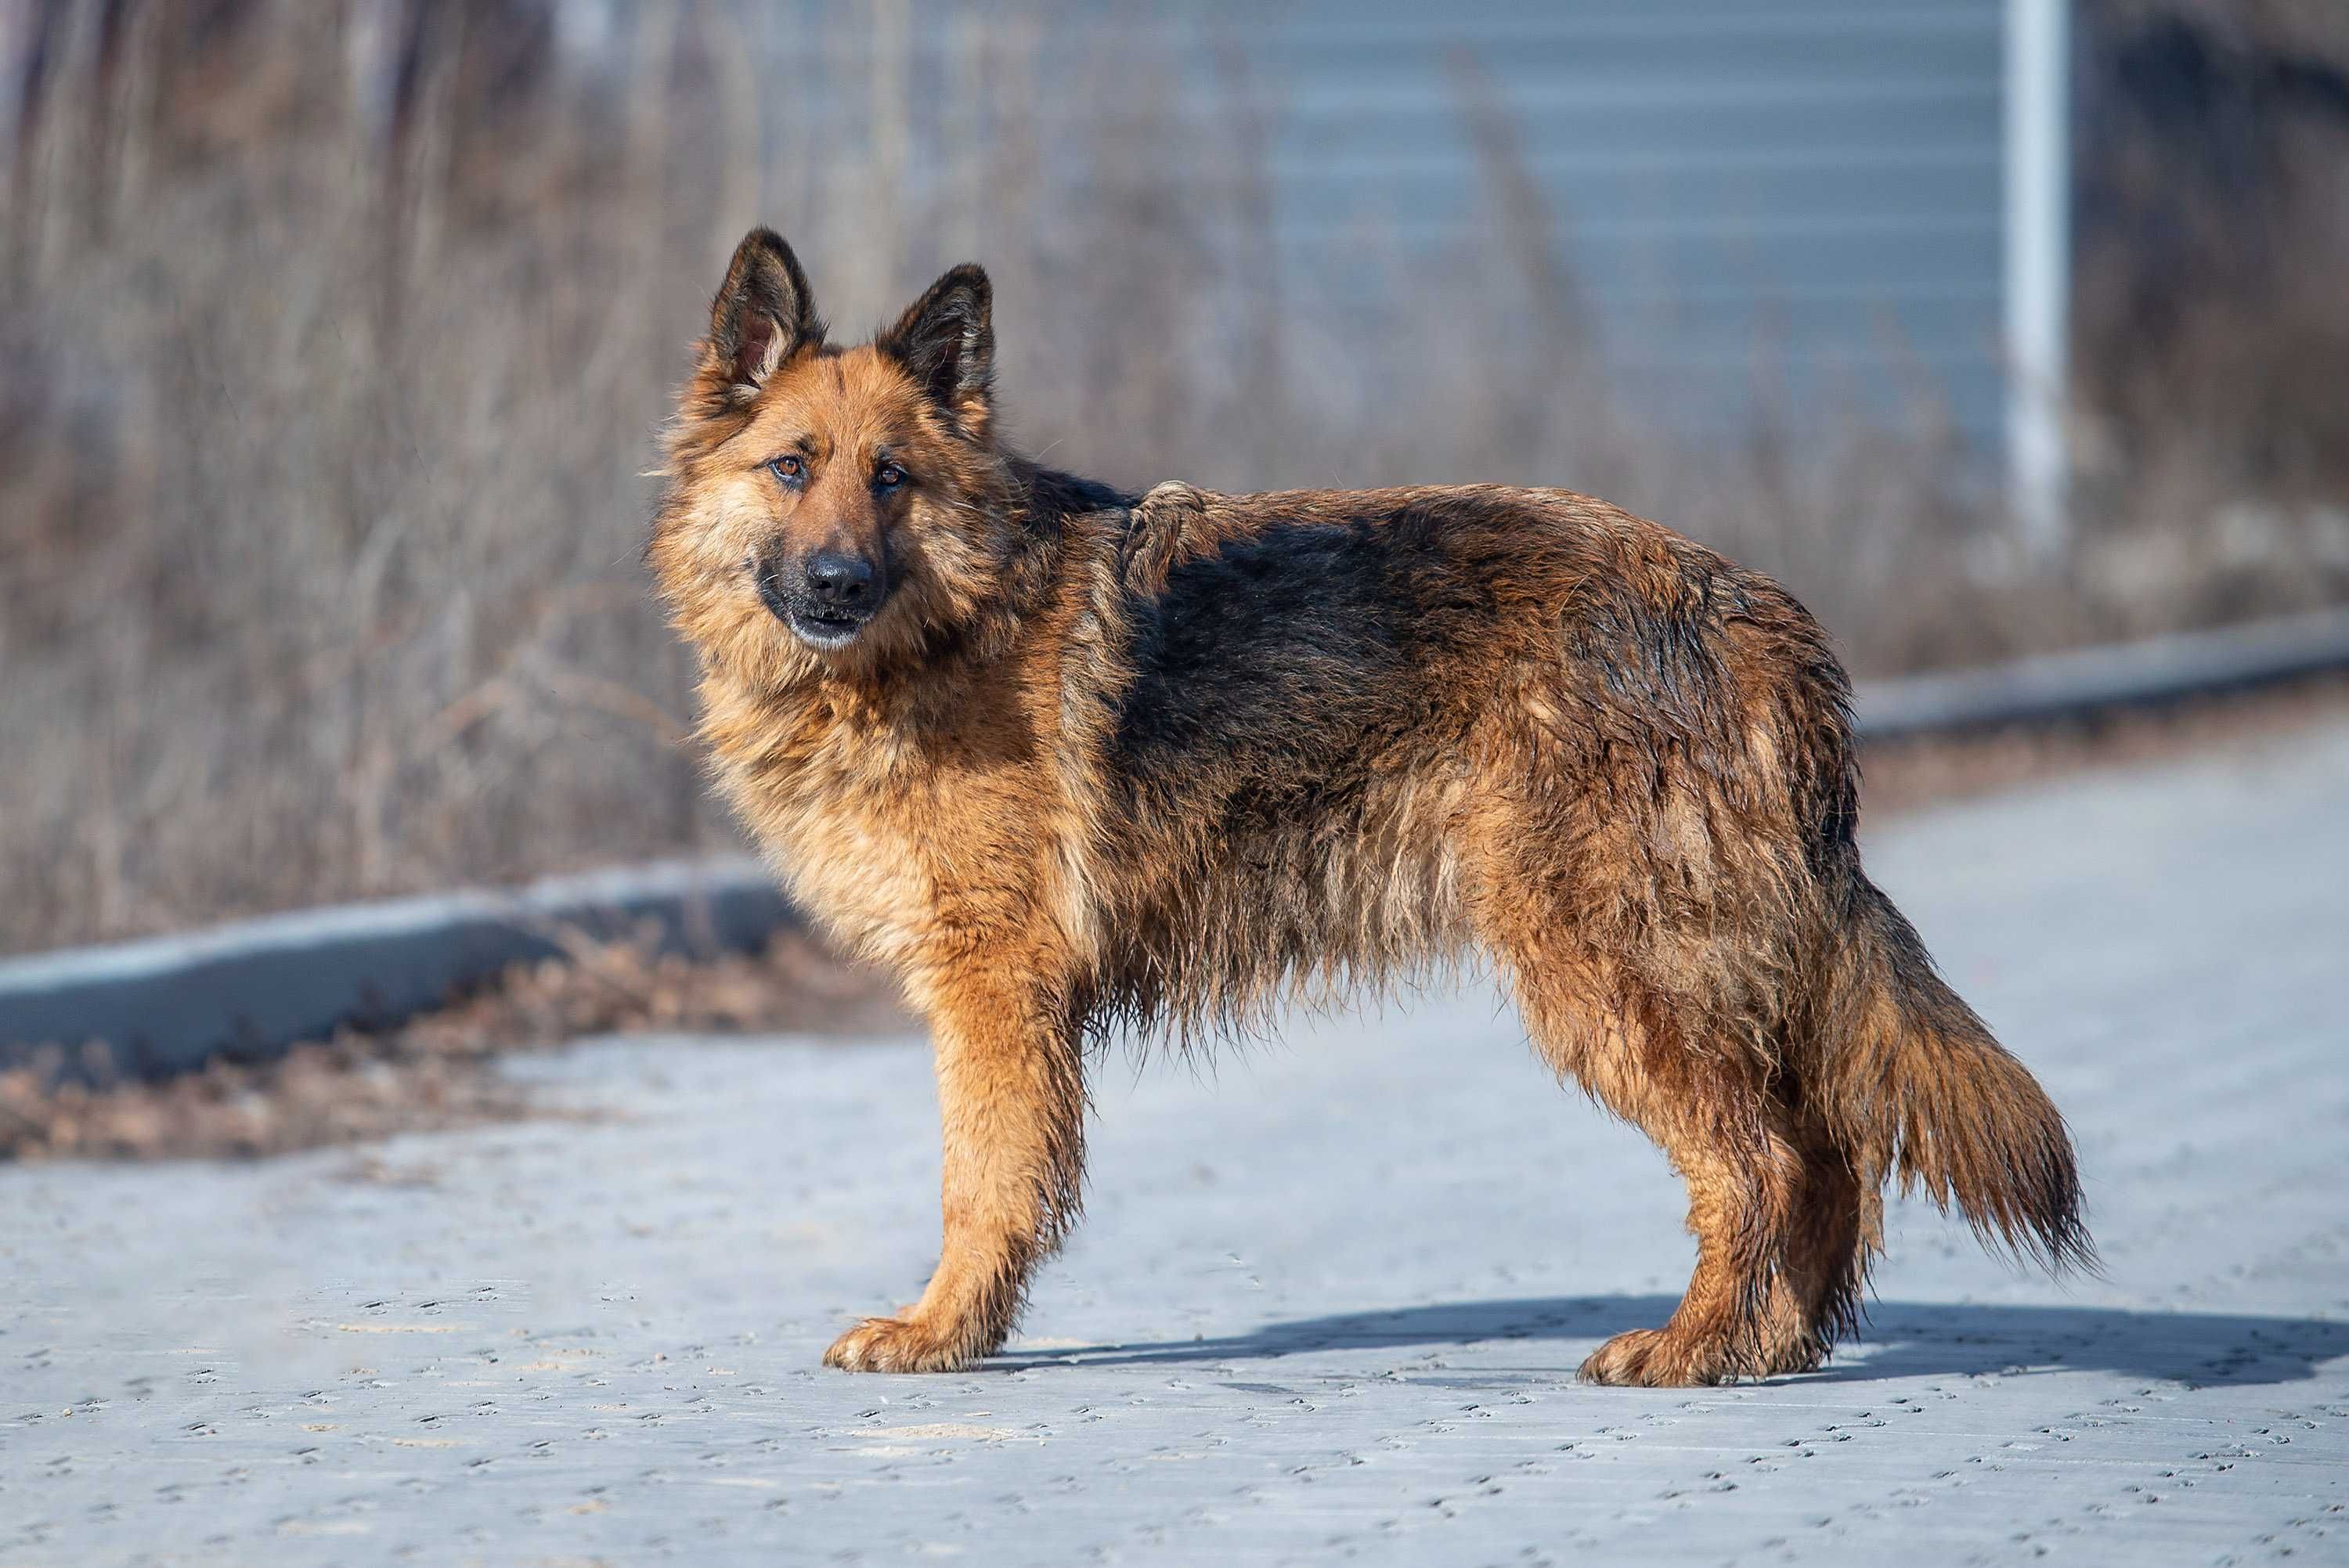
x,y
1166,762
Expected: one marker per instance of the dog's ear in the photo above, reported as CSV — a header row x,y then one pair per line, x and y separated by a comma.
x,y
945,341
762,316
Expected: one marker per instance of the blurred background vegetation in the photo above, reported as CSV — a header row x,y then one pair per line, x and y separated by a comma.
x,y
335,336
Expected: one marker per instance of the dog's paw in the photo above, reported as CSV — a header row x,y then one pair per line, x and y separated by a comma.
x,y
1658,1358
901,1345
1796,1354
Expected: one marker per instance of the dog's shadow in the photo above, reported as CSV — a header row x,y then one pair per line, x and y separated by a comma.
x,y
1900,1339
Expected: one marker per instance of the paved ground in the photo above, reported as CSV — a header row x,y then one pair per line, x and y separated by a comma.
x,y
1327,1305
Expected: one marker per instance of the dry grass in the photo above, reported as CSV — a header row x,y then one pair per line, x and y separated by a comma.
x,y
335,338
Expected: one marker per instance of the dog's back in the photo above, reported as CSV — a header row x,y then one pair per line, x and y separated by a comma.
x,y
1335,699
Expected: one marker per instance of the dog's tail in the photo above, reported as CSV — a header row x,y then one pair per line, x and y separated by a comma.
x,y
1915,1085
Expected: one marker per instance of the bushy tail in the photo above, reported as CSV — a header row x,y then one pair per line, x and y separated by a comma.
x,y
1917,1086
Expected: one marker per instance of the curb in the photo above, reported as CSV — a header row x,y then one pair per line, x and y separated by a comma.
x,y
250,989
2156,671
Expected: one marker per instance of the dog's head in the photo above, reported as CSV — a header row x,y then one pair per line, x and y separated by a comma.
x,y
843,505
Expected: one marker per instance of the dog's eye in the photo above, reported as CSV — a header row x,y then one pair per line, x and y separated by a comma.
x,y
890,476
787,468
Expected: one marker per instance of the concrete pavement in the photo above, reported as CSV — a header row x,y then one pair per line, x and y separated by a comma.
x,y
1325,1305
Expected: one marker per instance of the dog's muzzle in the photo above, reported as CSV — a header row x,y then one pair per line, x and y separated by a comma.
x,y
826,597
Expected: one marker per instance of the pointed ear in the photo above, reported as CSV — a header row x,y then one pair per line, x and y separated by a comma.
x,y
762,316
945,341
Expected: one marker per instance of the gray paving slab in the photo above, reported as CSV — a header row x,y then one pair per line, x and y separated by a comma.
x,y
1325,1305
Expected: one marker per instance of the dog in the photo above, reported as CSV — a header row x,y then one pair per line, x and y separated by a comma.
x,y
1069,762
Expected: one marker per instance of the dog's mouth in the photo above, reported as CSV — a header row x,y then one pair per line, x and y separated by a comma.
x,y
822,627
818,629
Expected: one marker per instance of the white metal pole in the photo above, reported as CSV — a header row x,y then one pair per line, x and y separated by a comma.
x,y
2038,264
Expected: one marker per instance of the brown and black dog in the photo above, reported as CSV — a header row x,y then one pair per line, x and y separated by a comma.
x,y
1066,759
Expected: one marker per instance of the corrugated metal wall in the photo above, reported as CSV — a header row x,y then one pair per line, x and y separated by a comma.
x,y
1787,204
1769,209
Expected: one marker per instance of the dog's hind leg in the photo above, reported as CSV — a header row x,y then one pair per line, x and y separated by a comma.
x,y
1011,1104
1744,1176
1708,1106
1834,1229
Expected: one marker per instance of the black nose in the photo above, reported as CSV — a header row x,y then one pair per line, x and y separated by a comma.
x,y
839,581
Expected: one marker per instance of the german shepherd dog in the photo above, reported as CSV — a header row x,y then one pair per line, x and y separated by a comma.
x,y
1066,759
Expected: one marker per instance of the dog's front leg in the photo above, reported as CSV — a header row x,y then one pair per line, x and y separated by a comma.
x,y
1011,1100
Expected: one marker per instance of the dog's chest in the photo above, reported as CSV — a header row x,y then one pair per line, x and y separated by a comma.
x,y
886,839
851,848
864,876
